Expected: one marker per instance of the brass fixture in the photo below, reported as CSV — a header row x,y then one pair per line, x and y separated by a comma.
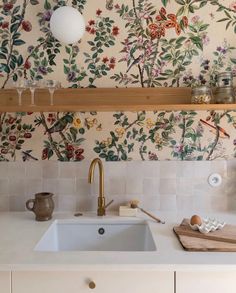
x,y
101,210
92,285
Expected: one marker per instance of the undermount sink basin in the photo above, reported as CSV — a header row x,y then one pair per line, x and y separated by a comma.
x,y
97,235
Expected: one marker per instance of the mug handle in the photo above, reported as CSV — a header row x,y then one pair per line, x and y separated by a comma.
x,y
28,204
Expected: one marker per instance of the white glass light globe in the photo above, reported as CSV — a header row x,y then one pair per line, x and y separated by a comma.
x,y
67,25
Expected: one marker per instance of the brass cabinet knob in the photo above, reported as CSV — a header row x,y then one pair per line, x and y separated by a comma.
x,y
92,285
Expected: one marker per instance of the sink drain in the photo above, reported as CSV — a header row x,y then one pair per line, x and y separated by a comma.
x,y
101,231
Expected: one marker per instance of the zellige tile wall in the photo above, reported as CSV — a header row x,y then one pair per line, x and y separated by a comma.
x,y
160,185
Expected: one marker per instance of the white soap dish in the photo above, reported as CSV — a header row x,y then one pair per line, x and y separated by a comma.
x,y
208,225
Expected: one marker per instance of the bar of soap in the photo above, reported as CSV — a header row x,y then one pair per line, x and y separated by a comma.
x,y
126,211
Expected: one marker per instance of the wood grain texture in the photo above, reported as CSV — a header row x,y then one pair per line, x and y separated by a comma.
x,y
198,244
227,234
106,99
221,240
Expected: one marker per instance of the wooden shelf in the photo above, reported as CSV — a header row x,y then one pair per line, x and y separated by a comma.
x,y
106,99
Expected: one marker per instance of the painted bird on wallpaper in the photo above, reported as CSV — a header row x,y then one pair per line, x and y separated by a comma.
x,y
136,61
222,132
60,124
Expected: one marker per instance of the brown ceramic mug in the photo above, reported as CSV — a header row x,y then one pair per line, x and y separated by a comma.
x,y
43,206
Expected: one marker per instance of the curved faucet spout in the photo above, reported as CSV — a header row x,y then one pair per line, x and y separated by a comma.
x,y
101,175
101,210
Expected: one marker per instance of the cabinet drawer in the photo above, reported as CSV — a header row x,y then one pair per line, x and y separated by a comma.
x,y
5,282
212,282
104,281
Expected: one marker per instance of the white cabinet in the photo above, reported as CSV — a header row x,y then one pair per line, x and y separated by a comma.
x,y
5,282
123,281
105,282
201,282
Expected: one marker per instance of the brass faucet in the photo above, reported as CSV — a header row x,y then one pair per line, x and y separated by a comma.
x,y
101,210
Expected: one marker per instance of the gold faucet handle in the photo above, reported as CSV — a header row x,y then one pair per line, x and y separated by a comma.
x,y
110,202
101,211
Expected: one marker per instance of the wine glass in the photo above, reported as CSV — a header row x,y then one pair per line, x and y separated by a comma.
x,y
32,85
52,85
20,86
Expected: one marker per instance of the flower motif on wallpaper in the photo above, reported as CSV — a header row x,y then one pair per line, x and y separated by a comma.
x,y
63,131
159,59
39,59
104,32
14,133
75,136
140,134
155,44
12,26
178,135
149,49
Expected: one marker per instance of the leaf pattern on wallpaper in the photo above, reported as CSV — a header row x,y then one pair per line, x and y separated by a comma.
x,y
65,134
13,135
12,20
127,43
153,136
148,48
118,136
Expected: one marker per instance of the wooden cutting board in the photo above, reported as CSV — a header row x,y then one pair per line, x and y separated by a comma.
x,y
220,240
227,234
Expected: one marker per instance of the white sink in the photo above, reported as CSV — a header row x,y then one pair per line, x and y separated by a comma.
x,y
97,235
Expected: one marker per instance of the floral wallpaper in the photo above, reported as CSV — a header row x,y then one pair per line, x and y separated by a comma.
x,y
118,136
140,43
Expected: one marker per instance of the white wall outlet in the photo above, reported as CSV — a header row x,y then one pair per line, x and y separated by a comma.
x,y
215,180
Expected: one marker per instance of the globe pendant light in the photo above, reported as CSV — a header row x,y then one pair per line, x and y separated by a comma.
x,y
67,25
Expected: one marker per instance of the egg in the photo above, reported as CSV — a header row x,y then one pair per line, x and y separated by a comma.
x,y
196,220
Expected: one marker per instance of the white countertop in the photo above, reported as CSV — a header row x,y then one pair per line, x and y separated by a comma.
x,y
20,233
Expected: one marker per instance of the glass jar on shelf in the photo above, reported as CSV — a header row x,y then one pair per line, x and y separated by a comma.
x,y
225,79
225,95
201,95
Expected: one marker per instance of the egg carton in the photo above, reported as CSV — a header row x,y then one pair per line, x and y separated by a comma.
x,y
208,225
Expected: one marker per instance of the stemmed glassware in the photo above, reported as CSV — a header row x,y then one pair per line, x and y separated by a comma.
x,y
20,86
32,84
52,85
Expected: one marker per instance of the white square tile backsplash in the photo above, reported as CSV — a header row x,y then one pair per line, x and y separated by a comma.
x,y
159,185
